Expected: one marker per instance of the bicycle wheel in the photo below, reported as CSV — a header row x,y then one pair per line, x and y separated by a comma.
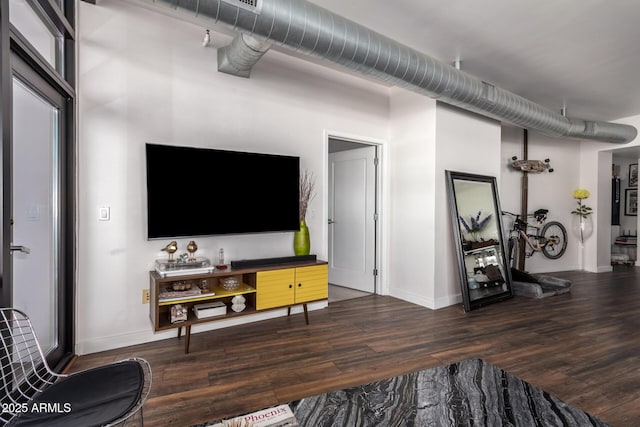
x,y
556,240
512,251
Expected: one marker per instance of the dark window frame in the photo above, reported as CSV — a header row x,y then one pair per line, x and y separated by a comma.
x,y
13,43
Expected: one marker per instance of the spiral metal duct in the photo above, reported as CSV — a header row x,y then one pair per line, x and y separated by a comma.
x,y
308,28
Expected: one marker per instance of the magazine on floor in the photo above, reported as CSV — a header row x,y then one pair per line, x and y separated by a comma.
x,y
278,416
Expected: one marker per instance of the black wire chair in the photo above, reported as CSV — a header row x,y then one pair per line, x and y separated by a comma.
x,y
33,395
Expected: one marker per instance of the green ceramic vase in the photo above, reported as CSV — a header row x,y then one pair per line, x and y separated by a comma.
x,y
301,240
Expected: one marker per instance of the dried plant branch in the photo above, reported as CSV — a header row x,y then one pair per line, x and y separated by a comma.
x,y
307,192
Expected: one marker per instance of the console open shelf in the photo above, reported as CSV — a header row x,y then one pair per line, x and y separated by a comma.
x,y
264,288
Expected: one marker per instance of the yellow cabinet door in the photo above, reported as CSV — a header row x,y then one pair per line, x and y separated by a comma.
x,y
312,283
275,288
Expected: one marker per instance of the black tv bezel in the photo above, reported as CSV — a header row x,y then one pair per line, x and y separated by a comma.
x,y
248,227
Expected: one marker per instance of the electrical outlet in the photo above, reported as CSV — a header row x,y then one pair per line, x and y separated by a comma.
x,y
146,296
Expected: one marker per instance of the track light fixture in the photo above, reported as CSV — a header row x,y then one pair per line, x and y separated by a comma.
x,y
207,38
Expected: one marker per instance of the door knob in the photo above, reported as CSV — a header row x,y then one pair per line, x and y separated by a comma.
x,y
23,249
331,221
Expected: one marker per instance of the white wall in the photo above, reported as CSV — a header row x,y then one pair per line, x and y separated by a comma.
x,y
144,77
466,142
602,255
596,161
426,139
553,191
598,181
577,164
413,189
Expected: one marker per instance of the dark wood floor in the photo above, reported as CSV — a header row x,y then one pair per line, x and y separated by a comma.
x,y
583,347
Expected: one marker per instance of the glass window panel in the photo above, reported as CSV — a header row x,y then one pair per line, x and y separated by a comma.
x,y
35,207
42,36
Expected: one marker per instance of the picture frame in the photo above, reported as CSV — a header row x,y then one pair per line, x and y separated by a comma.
x,y
633,175
631,202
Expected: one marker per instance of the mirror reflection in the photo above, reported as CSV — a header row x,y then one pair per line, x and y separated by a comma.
x,y
484,274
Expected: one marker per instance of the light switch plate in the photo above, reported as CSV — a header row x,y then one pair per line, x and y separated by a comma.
x,y
104,213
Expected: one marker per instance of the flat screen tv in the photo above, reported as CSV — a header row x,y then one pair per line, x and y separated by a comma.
x,y
202,191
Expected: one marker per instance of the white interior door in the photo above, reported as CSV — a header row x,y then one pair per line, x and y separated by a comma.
x,y
352,209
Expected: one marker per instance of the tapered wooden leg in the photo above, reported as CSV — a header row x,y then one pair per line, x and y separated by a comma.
x,y
289,311
306,313
187,337
179,332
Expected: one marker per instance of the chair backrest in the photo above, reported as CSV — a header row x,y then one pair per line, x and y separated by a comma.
x,y
23,367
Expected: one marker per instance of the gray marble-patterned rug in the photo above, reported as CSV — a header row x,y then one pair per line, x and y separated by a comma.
x,y
468,393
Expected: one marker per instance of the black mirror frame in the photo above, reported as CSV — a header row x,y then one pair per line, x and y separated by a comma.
x,y
455,225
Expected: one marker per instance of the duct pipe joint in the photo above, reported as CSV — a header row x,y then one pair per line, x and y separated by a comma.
x,y
239,57
599,131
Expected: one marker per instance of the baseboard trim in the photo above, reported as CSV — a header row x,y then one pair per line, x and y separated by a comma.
x,y
433,304
96,345
412,298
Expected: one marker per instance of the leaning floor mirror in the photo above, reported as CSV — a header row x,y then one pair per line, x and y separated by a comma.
x,y
474,205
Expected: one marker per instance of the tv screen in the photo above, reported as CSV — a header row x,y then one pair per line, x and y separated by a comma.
x,y
201,191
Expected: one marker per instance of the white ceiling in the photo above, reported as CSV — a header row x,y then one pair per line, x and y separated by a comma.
x,y
582,54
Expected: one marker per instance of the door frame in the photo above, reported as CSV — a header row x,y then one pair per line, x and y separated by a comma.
x,y
381,286
14,48
29,77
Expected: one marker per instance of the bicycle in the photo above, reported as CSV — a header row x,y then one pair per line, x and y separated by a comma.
x,y
550,238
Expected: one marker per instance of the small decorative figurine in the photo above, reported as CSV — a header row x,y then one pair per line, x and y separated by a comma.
x,y
192,248
238,307
238,303
171,248
178,313
238,299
